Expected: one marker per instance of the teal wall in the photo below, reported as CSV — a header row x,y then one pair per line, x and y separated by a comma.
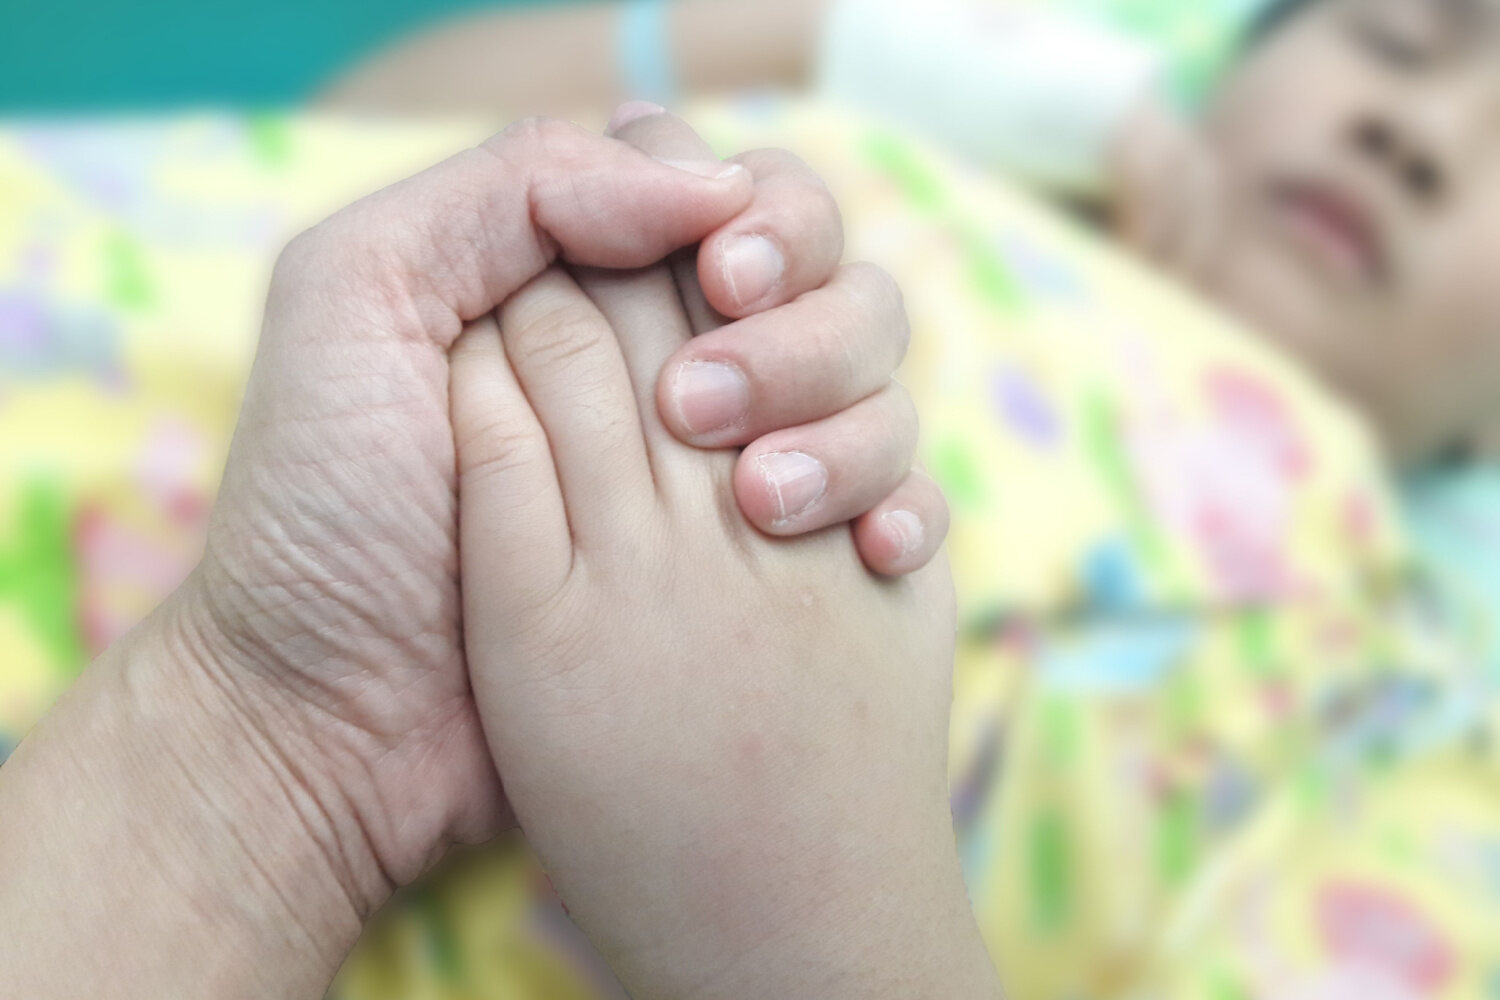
x,y
83,55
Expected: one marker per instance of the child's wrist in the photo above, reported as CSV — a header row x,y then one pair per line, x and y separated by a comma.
x,y
889,918
881,947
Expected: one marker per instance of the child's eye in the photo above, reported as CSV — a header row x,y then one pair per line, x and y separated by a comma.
x,y
1408,35
1392,47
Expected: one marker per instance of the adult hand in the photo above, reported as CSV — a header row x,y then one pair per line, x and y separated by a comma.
x,y
806,388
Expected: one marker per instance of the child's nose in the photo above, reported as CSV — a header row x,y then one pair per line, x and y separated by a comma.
x,y
1416,172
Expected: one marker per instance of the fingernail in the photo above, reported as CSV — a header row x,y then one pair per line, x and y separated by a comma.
x,y
710,396
631,111
796,482
907,527
753,265
715,169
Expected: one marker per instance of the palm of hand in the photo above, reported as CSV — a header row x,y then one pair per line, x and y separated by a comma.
x,y
333,557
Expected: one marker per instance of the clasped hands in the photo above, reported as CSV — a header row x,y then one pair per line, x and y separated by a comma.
x,y
533,515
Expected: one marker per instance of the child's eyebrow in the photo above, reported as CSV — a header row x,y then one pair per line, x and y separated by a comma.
x,y
1463,23
1465,15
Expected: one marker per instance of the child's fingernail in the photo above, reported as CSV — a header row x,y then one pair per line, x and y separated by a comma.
x,y
752,265
710,396
715,169
907,527
796,482
631,111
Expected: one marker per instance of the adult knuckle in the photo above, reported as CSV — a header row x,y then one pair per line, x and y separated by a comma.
x,y
535,131
541,150
904,414
319,267
899,401
880,285
824,206
657,132
900,336
355,259
828,206
839,347
880,294
775,160
782,166
299,260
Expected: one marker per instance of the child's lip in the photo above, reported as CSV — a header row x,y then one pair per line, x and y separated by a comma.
x,y
1340,232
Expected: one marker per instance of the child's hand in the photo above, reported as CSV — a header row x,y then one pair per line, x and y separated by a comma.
x,y
728,748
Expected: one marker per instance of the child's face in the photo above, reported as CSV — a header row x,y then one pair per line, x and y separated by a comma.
x,y
1361,151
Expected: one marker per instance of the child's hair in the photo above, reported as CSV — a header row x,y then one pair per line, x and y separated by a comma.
x,y
1274,16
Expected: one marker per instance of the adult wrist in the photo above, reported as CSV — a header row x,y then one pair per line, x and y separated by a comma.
x,y
249,749
157,844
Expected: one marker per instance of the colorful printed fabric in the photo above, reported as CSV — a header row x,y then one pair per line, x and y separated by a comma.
x,y
1203,741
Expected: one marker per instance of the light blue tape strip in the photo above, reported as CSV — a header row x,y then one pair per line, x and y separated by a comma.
x,y
645,52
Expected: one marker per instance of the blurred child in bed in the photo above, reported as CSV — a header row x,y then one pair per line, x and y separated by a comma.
x,y
1334,185
1193,603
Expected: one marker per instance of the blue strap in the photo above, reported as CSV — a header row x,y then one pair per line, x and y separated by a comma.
x,y
645,52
